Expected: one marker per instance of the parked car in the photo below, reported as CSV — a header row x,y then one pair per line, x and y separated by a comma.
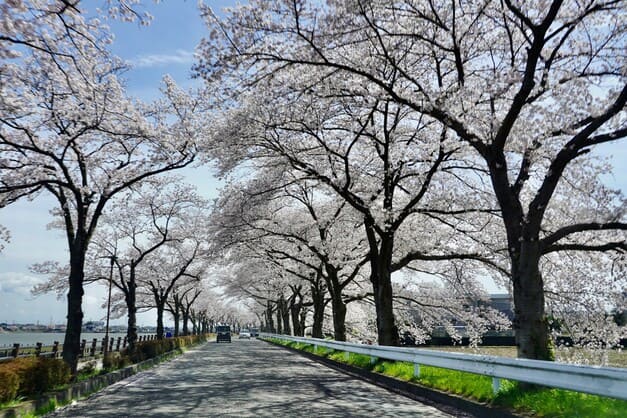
x,y
223,333
254,332
244,333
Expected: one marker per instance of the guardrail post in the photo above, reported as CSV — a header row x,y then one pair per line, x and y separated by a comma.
x,y
94,342
496,385
110,345
117,346
416,370
103,345
315,348
373,359
347,355
38,349
83,345
16,350
55,349
124,342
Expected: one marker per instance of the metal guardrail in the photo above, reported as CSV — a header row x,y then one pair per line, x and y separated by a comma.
x,y
603,381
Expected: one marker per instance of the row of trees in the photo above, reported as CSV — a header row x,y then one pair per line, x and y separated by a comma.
x,y
382,155
68,129
443,131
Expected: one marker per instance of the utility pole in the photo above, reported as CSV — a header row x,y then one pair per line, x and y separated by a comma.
x,y
105,350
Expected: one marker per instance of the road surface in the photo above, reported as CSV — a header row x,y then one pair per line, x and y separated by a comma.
x,y
247,378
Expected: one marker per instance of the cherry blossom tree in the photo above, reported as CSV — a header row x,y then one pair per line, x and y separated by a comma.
x,y
365,152
46,26
68,129
175,265
302,232
5,236
530,87
136,225
444,296
180,305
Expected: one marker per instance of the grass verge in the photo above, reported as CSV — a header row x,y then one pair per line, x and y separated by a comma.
x,y
540,402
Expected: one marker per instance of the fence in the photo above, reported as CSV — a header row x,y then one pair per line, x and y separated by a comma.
x,y
604,381
87,350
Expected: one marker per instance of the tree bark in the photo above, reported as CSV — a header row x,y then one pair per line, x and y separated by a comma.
x,y
337,304
295,309
285,316
269,319
130,297
279,322
185,322
318,312
176,317
160,309
530,322
303,319
339,317
381,279
72,340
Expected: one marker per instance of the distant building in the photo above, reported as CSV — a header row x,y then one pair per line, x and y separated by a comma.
x,y
504,303
93,326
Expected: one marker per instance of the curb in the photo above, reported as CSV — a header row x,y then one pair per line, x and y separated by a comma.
x,y
445,402
81,389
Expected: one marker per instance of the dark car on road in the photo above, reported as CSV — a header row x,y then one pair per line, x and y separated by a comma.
x,y
223,333
254,332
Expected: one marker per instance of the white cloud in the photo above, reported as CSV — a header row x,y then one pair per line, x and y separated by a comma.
x,y
18,283
180,56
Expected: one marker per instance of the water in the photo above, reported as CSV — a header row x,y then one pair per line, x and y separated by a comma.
x,y
29,339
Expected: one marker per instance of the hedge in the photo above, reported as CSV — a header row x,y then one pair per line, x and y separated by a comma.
x,y
31,375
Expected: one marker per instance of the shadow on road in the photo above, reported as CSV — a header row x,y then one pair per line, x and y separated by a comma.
x,y
247,378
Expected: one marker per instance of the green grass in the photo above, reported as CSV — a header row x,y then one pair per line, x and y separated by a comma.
x,y
12,403
540,402
554,403
46,409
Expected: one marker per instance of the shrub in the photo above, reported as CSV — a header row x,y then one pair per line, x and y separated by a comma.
x,y
9,385
50,373
154,348
32,375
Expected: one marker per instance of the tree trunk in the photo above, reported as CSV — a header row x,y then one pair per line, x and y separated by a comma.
x,y
530,323
285,315
381,279
279,322
337,304
269,319
130,296
295,309
318,312
72,340
339,317
176,317
303,318
160,309
386,325
185,322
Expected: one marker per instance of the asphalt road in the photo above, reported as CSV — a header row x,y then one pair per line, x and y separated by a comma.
x,y
247,378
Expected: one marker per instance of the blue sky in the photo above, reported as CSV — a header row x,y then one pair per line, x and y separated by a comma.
x,y
165,46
